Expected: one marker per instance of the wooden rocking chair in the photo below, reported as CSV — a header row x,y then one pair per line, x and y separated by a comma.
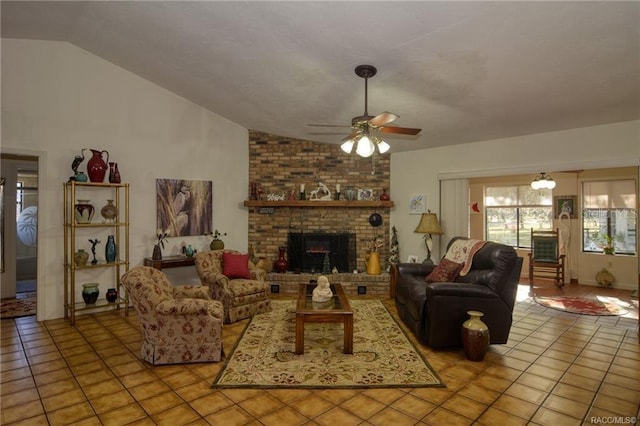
x,y
545,260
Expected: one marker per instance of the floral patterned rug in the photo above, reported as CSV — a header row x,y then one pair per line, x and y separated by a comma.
x,y
382,356
579,305
15,308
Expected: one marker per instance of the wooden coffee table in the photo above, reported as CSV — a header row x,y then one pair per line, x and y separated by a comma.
x,y
335,310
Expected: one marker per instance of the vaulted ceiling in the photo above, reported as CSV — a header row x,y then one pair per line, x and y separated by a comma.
x,y
461,71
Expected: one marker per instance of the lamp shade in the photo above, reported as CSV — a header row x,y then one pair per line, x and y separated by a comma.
x,y
428,224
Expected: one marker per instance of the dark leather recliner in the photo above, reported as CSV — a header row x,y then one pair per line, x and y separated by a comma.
x,y
435,312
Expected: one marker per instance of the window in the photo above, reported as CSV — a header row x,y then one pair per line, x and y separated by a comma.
x,y
511,212
608,209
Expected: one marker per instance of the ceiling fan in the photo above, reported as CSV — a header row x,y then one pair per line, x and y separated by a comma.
x,y
366,129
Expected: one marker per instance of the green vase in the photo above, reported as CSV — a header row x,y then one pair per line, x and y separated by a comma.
x,y
216,244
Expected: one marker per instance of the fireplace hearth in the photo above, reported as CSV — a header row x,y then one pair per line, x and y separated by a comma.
x,y
306,251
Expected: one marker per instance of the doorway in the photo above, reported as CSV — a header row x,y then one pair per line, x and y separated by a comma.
x,y
19,239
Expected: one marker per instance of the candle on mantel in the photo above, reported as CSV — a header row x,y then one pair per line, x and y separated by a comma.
x,y
302,187
337,187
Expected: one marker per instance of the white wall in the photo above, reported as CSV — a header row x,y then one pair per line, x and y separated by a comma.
x,y
420,171
58,99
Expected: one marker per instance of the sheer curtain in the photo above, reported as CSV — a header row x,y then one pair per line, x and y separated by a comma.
x,y
454,210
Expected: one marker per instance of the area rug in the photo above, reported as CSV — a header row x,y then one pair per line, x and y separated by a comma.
x,y
15,308
382,356
578,305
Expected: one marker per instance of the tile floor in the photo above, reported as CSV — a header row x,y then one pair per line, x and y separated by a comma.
x,y
557,369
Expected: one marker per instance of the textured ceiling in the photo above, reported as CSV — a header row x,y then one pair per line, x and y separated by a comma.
x,y
461,71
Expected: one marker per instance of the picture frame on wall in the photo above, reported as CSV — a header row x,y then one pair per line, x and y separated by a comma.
x,y
418,204
184,207
565,204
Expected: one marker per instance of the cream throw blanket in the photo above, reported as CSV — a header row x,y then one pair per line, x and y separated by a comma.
x,y
462,251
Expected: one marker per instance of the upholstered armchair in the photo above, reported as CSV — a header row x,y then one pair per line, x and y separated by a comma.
x,y
235,281
179,324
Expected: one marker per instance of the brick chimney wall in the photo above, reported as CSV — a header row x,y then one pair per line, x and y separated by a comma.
x,y
279,165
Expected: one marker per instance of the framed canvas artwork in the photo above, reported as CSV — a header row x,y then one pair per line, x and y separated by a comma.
x,y
184,207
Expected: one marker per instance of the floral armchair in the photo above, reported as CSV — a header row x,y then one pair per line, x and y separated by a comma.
x,y
179,324
235,281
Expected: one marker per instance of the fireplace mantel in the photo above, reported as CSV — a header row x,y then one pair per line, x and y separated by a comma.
x,y
319,203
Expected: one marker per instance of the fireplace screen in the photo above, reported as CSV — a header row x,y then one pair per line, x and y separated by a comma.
x,y
306,252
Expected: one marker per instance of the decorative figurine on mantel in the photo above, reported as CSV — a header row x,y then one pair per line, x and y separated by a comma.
x,y
78,176
322,193
322,293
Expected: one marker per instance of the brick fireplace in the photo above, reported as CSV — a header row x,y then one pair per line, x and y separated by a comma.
x,y
279,165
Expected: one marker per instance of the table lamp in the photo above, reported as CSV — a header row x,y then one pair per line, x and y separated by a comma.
x,y
428,225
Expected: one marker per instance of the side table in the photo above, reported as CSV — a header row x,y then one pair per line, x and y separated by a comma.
x,y
169,262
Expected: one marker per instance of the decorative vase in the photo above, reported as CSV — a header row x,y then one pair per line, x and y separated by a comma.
x,y
281,264
373,263
81,177
385,195
475,336
111,295
157,252
90,292
350,194
110,250
81,257
109,212
83,211
96,166
114,173
188,251
216,244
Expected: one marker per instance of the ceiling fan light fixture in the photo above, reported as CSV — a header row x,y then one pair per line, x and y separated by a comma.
x,y
365,147
383,146
347,146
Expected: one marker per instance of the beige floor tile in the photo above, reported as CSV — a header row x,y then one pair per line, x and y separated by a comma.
x,y
494,416
573,393
389,416
114,401
211,403
464,406
261,405
62,400
284,416
441,416
545,416
536,382
71,414
232,416
18,398
515,406
526,393
20,412
365,407
180,414
412,406
125,415
566,406
312,405
617,405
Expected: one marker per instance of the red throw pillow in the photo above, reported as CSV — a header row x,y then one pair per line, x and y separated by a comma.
x,y
446,271
235,265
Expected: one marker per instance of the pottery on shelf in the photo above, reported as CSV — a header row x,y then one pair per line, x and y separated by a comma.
x,y
475,336
96,166
109,212
81,257
90,293
110,250
385,195
83,211
114,173
350,194
111,295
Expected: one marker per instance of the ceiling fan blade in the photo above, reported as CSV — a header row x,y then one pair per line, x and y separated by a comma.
x,y
382,119
352,135
327,125
399,130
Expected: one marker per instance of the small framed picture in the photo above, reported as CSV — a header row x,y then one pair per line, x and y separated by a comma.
x,y
565,204
365,194
417,204
412,258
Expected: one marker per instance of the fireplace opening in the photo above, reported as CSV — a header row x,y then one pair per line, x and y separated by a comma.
x,y
306,252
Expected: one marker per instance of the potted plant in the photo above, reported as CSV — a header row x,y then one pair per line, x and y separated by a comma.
x,y
607,242
217,243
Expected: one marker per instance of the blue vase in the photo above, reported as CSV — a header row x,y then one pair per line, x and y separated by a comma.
x,y
90,292
110,250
